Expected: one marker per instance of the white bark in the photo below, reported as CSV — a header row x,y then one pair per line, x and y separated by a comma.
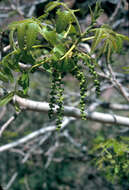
x,y
27,138
72,112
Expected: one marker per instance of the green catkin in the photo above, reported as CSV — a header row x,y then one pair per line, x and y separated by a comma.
x,y
56,97
94,75
53,94
83,88
56,93
60,108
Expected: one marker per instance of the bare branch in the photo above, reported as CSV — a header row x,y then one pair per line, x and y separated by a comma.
x,y
27,138
10,120
2,113
34,135
117,84
115,12
11,181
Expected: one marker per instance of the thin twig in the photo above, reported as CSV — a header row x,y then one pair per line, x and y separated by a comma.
x,y
115,12
11,181
2,113
118,85
7,123
33,135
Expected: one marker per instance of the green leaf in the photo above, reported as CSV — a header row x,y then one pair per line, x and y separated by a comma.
x,y
50,36
11,39
31,34
3,77
7,98
21,94
60,50
116,170
67,64
14,61
122,36
21,30
111,41
72,30
8,73
119,43
15,24
64,18
24,82
52,5
96,13
97,39
27,57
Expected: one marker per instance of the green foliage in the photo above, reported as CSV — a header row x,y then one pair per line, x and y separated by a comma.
x,y
112,41
113,158
6,99
3,77
96,13
27,31
24,82
57,40
63,20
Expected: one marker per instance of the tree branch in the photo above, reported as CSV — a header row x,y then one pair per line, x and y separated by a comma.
x,y
27,138
34,135
71,112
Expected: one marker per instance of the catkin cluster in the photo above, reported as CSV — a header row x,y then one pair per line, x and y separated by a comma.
x,y
56,97
56,93
93,73
79,75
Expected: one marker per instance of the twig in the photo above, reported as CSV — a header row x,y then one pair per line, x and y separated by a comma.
x,y
10,120
71,140
35,147
115,12
50,153
2,113
27,138
33,135
26,183
16,8
119,86
11,181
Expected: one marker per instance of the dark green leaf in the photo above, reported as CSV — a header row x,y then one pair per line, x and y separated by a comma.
x,y
21,94
8,73
26,57
50,36
3,77
24,82
64,18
